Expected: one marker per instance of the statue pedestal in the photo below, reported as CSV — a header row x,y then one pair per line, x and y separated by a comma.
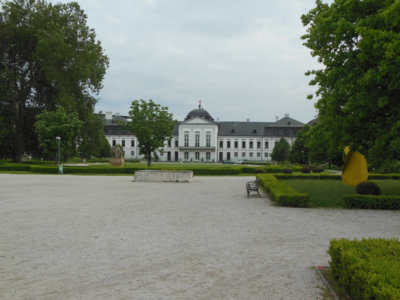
x,y
117,162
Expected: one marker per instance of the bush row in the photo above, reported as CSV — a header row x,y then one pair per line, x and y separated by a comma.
x,y
14,167
367,269
308,176
270,169
282,193
372,201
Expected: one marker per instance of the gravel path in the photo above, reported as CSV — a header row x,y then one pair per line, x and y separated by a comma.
x,y
107,237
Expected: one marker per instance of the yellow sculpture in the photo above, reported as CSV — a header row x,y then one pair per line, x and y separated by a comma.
x,y
355,168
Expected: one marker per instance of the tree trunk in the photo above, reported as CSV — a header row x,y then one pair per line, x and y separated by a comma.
x,y
149,161
19,125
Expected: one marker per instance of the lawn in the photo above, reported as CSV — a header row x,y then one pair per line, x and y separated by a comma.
x,y
329,193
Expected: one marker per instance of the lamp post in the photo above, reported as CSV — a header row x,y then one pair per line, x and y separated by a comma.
x,y
60,171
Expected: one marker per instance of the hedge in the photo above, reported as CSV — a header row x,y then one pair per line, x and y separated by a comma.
x,y
367,269
282,193
308,176
372,201
15,167
270,169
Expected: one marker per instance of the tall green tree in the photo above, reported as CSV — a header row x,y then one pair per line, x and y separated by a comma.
x,y
152,125
91,136
281,151
49,57
300,152
59,123
358,43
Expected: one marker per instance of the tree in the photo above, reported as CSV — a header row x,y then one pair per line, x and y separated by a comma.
x,y
61,124
152,125
300,152
49,57
359,87
91,137
281,151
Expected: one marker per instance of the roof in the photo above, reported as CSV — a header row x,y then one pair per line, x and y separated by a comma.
x,y
199,112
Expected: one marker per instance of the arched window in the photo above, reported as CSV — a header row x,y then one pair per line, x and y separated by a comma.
x,y
186,139
197,140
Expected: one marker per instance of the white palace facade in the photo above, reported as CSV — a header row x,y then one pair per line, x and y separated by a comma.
x,y
199,138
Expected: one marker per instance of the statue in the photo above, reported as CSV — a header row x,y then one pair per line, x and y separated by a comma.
x,y
117,160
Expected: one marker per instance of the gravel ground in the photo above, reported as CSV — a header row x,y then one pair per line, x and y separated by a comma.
x,y
107,237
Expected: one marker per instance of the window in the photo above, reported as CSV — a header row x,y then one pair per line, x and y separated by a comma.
x,y
258,154
266,145
132,143
266,154
236,144
276,132
208,140
251,154
197,155
161,153
251,145
186,140
114,142
123,143
286,132
169,143
244,144
208,156
243,154
232,130
236,154
228,145
114,130
123,130
197,140
186,155
258,145
176,143
221,144
132,153
254,130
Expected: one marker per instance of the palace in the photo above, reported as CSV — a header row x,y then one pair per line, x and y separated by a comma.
x,y
199,138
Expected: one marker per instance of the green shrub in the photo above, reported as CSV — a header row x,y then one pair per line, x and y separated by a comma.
x,y
282,193
287,171
368,188
367,269
45,169
318,170
258,171
305,170
14,167
372,202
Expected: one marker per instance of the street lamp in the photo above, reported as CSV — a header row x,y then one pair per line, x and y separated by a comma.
x,y
60,171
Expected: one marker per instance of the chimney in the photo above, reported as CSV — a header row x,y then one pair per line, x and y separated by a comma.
x,y
117,114
248,120
108,115
277,118
286,115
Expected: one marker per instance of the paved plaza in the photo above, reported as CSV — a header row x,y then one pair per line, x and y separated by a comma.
x,y
107,237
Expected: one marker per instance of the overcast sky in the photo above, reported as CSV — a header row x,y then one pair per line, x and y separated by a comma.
x,y
242,59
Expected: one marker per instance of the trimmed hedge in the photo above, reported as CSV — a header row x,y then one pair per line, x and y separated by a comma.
x,y
367,269
15,167
372,202
282,193
44,169
308,176
269,170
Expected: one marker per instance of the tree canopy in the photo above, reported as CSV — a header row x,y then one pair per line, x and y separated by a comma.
x,y
49,57
300,151
152,125
358,43
52,124
281,150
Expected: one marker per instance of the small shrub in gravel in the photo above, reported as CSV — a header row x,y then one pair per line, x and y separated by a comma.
x,y
305,170
287,171
368,188
258,171
318,170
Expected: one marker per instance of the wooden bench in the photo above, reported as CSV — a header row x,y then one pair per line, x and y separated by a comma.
x,y
253,187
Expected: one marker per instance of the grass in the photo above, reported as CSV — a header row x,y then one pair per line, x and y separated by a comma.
x,y
339,290
329,193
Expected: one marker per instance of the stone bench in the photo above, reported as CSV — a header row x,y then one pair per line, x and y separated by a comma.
x,y
163,176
